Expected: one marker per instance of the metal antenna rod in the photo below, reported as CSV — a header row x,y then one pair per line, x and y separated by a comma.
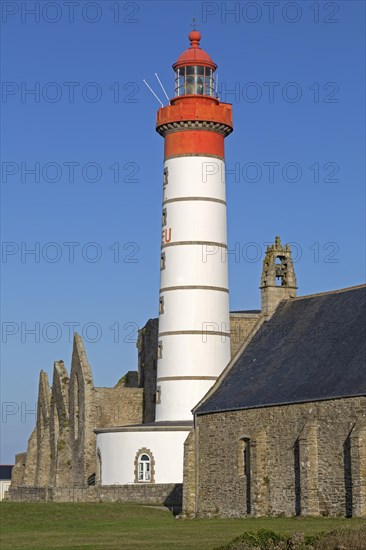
x,y
154,94
162,87
217,85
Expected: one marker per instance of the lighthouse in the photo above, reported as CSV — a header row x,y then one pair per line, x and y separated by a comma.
x,y
194,335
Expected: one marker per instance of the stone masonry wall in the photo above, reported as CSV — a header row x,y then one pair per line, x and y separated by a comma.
x,y
17,474
189,482
147,345
157,494
30,461
241,325
60,466
81,414
305,459
43,430
92,407
118,406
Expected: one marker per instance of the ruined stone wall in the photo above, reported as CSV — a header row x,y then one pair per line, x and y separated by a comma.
x,y
60,466
62,448
43,430
118,406
241,325
156,494
147,345
305,459
92,407
30,461
82,415
17,474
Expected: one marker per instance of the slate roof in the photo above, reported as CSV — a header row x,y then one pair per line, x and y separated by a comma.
x,y
5,471
313,348
247,311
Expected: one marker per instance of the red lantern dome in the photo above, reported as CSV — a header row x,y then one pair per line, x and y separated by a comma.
x,y
194,55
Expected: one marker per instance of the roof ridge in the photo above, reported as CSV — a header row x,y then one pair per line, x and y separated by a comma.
x,y
337,291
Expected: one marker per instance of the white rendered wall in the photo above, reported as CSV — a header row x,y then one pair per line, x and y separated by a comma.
x,y
194,325
187,356
195,309
205,266
4,486
118,452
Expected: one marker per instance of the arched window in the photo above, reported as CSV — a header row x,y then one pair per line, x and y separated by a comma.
x,y
144,468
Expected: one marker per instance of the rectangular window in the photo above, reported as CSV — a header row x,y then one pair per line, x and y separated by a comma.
x,y
160,349
158,395
162,261
165,180
161,305
165,217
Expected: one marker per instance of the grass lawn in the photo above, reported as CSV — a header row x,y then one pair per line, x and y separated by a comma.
x,y
45,526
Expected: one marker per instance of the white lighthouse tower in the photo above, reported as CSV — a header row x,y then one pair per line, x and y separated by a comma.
x,y
194,336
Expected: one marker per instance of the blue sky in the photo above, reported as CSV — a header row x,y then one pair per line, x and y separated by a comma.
x,y
91,209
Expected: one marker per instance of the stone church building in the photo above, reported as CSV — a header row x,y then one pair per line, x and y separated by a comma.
x,y
282,431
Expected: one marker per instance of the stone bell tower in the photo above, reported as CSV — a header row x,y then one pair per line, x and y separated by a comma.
x,y
278,281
